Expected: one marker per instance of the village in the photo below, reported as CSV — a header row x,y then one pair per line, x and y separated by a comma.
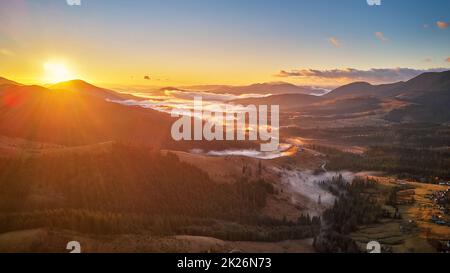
x,y
441,200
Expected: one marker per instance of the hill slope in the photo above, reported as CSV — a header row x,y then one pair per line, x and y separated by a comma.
x,y
364,89
275,88
286,101
4,81
82,86
423,84
76,117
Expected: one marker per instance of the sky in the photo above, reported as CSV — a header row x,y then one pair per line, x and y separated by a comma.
x,y
234,42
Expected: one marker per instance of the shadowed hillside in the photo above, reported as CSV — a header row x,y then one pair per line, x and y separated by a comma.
x,y
421,99
4,81
76,117
87,88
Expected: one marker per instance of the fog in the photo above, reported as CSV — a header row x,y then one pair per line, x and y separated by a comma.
x,y
283,150
306,183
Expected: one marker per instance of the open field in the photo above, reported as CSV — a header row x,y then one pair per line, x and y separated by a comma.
x,y
414,231
44,240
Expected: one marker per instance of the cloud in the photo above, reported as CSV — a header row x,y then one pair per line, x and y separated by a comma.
x,y
380,36
426,26
427,60
375,75
448,60
6,52
334,41
442,25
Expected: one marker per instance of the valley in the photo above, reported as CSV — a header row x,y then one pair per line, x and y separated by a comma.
x,y
105,171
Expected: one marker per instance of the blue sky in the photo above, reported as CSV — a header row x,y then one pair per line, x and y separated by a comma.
x,y
218,41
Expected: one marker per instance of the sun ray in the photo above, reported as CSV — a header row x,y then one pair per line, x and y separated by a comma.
x,y
56,72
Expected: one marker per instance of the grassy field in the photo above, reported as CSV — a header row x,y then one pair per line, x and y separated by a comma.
x,y
55,241
413,232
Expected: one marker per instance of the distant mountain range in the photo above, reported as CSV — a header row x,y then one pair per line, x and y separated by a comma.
x,y
4,81
423,84
286,101
268,88
76,113
358,89
274,88
425,98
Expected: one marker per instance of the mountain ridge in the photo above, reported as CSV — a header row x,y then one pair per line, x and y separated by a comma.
x,y
417,86
78,85
5,81
76,118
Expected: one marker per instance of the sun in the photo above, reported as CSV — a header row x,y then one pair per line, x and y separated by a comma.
x,y
56,72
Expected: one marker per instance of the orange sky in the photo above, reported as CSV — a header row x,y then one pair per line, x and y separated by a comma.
x,y
219,42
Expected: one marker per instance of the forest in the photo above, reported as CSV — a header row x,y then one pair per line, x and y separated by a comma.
x,y
355,206
422,164
133,189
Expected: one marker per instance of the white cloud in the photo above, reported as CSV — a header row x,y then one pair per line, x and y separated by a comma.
x,y
442,25
376,75
334,41
380,36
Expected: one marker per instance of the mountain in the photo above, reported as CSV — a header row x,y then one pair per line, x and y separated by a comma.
x,y
341,106
286,101
423,84
275,88
428,96
4,81
76,116
171,88
424,98
317,106
82,86
357,89
429,107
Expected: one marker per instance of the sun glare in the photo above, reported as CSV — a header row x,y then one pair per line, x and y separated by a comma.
x,y
56,72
